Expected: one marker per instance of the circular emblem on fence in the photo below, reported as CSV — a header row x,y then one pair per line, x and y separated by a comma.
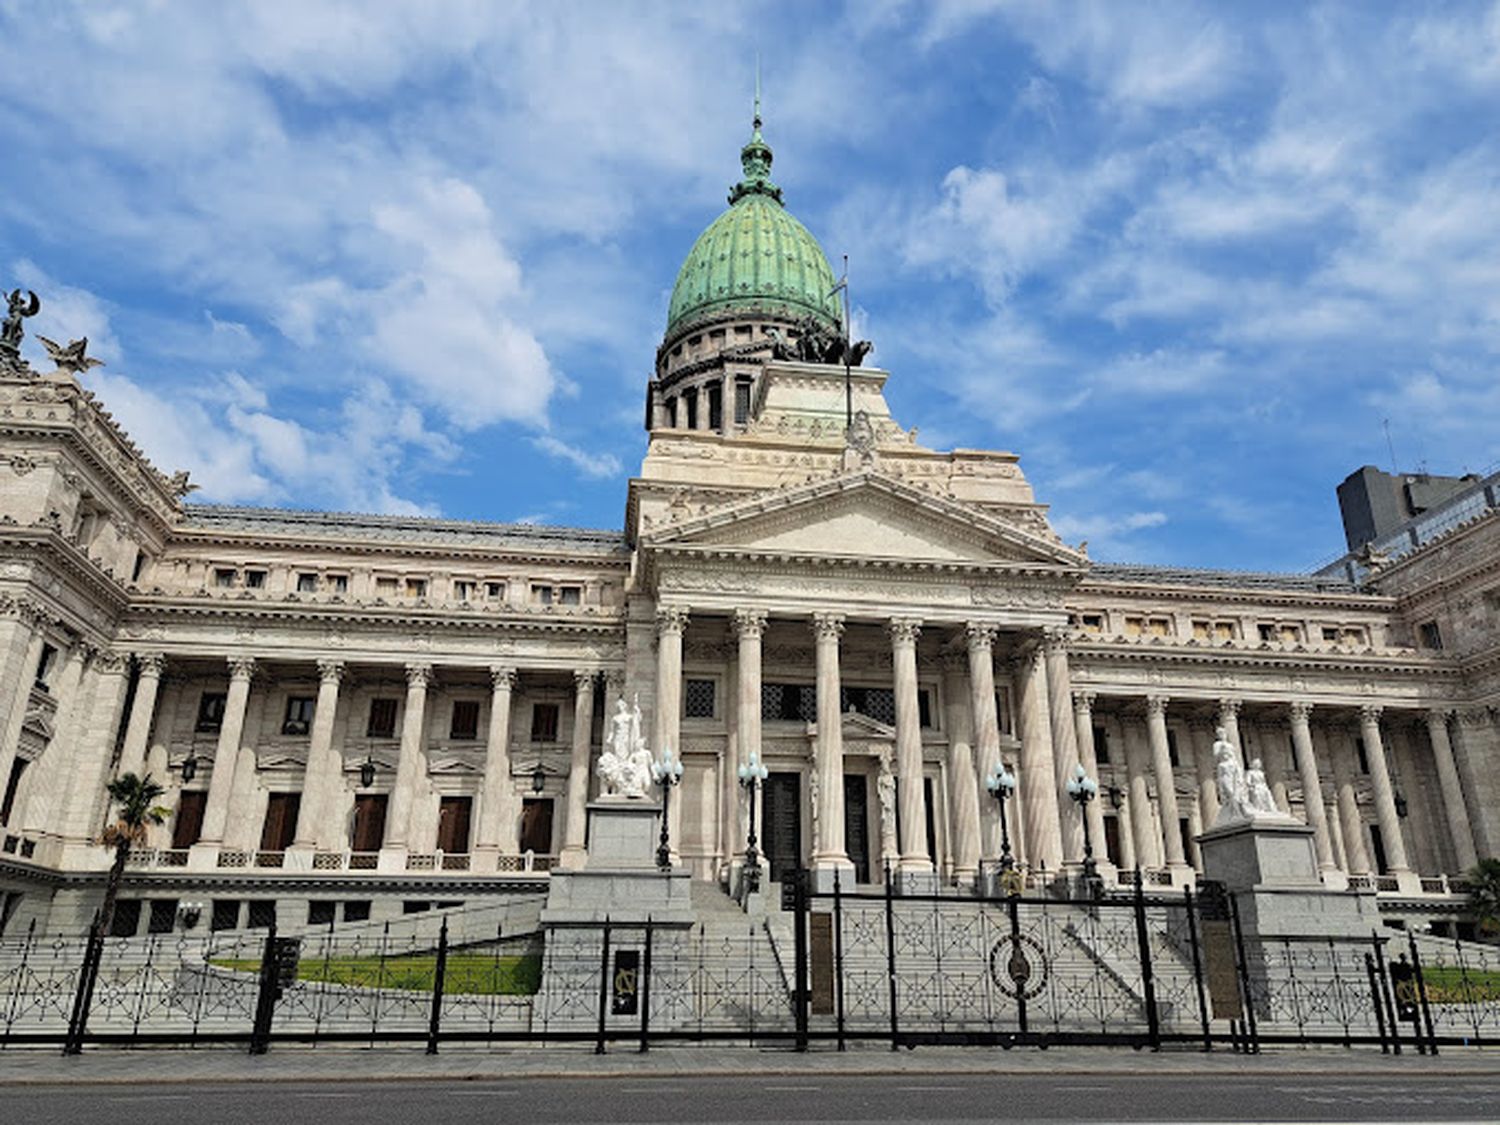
x,y
1018,966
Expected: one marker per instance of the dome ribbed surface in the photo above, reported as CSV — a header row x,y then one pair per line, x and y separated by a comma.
x,y
754,258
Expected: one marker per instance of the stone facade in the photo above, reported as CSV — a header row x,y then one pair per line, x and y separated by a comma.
x,y
379,710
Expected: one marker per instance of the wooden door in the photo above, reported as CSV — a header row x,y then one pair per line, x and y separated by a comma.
x,y
369,821
857,824
188,827
1112,839
536,825
280,827
453,825
781,823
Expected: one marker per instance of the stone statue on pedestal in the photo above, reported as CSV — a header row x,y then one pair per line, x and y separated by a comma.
x,y
625,764
1258,793
1243,794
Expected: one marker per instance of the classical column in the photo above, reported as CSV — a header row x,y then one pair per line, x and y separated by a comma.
x,y
88,774
1229,719
1166,782
142,711
1478,758
1351,822
913,809
1115,732
1312,784
18,672
47,779
409,765
497,814
1142,823
986,732
1088,757
749,628
1038,780
963,778
1065,746
671,623
227,751
1456,814
323,773
828,850
575,836
1385,796
1202,737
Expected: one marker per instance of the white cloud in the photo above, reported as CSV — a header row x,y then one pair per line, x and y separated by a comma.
x,y
597,465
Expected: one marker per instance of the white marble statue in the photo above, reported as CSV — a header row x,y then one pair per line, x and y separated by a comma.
x,y
1233,805
885,789
625,764
1258,798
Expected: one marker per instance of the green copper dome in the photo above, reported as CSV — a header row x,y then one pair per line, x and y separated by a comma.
x,y
754,258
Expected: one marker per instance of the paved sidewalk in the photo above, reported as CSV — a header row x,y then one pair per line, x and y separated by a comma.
x,y
38,1066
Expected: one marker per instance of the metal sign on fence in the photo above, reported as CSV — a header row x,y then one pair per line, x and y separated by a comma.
x,y
625,984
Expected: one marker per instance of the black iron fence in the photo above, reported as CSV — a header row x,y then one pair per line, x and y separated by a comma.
x,y
831,968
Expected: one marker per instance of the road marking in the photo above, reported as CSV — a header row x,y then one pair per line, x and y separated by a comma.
x,y
323,1094
653,1089
481,1093
928,1089
793,1089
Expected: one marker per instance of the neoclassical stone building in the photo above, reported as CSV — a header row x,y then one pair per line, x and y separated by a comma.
x,y
358,715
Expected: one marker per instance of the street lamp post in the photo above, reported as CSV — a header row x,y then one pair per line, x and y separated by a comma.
x,y
752,773
1083,789
1002,784
668,772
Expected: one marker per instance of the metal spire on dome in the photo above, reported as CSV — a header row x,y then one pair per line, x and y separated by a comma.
x,y
755,157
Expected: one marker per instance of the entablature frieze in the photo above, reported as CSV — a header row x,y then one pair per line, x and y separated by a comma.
x,y
1403,663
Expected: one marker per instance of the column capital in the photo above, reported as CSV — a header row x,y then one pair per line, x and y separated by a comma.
x,y
331,671
152,664
749,623
828,626
583,678
1055,640
241,667
1370,713
904,630
418,675
502,677
1083,703
1229,708
1439,716
1474,716
1157,704
671,619
1300,710
980,635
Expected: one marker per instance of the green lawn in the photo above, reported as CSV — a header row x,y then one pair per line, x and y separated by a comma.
x,y
472,973
1448,984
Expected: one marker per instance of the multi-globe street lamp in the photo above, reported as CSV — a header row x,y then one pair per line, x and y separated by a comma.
x,y
1083,789
1002,784
752,774
668,772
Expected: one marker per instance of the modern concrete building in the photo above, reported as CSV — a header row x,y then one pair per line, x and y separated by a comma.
x,y
357,715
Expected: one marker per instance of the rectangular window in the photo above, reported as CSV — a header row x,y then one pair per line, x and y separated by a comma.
x,y
280,826
494,590
1202,631
570,595
320,912
1330,634
261,914
544,722
1291,634
338,583
223,577
1101,746
716,408
357,910
307,583
299,714
1266,632
369,821
1159,626
454,815
210,712
541,595
788,703
226,914
742,402
127,918
1430,635
1172,755
385,587
187,828
163,916
465,724
415,906
1092,622
924,709
1362,755
1223,630
416,587
463,591
536,825
1135,626
382,722
255,579
698,699
44,665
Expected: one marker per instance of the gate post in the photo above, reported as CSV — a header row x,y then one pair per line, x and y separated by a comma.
x,y
1416,964
1148,983
838,955
890,954
83,999
1192,920
603,988
1385,1047
645,990
802,993
435,1020
265,996
1384,995
1252,1045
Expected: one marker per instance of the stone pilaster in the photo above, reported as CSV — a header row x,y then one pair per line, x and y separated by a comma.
x,y
913,818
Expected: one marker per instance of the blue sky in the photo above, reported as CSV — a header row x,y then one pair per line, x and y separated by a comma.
x,y
1184,259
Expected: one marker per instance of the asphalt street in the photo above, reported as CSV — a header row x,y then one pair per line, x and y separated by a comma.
x,y
951,1098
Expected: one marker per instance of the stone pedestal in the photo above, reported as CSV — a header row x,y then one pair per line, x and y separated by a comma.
x,y
1270,866
619,879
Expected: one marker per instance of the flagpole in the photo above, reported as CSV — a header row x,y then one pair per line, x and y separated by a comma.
x,y
848,383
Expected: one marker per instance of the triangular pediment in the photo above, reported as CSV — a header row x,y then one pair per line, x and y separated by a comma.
x,y
865,515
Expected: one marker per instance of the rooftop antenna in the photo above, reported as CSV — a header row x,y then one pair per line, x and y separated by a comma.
x,y
757,89
1390,445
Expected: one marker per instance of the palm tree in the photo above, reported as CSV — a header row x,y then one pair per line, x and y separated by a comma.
x,y
1484,894
136,797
